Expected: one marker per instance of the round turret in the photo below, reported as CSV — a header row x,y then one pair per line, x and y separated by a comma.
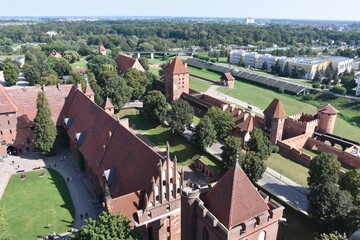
x,y
327,117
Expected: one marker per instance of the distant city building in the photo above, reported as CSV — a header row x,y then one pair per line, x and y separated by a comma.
x,y
125,62
227,80
309,64
52,33
249,20
357,79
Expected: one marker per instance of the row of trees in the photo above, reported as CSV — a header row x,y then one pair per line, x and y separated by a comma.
x,y
334,203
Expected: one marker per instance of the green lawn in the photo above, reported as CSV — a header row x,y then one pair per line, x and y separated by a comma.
x,y
81,64
290,169
159,135
10,56
196,119
154,70
205,73
31,204
199,85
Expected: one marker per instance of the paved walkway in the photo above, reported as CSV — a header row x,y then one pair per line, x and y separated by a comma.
x,y
84,199
134,104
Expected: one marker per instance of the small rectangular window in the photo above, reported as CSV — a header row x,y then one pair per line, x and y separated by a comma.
x,y
10,131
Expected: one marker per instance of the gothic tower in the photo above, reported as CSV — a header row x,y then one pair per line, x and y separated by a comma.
x,y
176,79
327,117
274,119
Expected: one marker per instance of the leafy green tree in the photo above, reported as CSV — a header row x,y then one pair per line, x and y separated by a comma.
x,y
144,63
330,206
138,81
204,135
94,64
84,50
49,80
32,74
11,74
71,56
302,73
348,81
231,150
180,115
329,72
44,129
336,76
77,78
51,61
99,100
338,89
223,121
155,106
323,168
276,69
109,226
265,66
350,181
286,72
259,144
295,72
318,76
253,166
62,68
329,236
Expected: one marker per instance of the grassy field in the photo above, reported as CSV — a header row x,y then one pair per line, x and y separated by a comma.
x,y
154,70
199,85
31,204
290,169
10,56
159,135
81,64
204,73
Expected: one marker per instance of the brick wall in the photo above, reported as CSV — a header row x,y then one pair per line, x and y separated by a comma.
x,y
294,153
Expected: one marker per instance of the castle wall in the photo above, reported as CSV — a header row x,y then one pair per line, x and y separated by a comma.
x,y
342,156
294,153
297,142
299,124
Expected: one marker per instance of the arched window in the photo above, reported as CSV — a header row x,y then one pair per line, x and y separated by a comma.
x,y
205,234
262,235
150,233
149,214
168,208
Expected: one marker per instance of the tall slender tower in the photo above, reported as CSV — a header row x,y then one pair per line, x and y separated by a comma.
x,y
176,79
274,118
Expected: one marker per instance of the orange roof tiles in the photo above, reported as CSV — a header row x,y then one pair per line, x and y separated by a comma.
x,y
124,62
6,104
128,204
234,199
108,104
80,70
176,66
328,109
88,90
228,77
102,48
275,109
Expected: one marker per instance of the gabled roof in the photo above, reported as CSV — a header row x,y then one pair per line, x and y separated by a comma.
x,y
125,62
79,70
55,54
108,104
102,48
6,104
227,77
328,109
275,109
176,66
234,199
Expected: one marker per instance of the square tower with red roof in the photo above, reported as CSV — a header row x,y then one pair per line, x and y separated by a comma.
x,y
176,79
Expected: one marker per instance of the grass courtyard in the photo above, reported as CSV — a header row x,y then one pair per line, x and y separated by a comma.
x,y
159,135
199,85
31,204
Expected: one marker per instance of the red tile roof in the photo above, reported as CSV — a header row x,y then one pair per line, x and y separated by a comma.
x,y
88,90
55,54
108,104
176,66
6,104
128,204
328,109
25,100
125,62
234,199
80,70
275,109
228,77
102,48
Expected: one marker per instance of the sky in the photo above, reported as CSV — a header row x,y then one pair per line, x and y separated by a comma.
x,y
300,9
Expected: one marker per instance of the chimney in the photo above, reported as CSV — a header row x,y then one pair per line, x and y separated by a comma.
x,y
78,86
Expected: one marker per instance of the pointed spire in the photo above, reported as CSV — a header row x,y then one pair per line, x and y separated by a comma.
x,y
108,104
236,163
175,159
167,151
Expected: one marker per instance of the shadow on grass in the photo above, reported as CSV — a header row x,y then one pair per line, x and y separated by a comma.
x,y
61,186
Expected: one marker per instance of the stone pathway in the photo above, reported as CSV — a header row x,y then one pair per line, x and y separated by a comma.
x,y
84,199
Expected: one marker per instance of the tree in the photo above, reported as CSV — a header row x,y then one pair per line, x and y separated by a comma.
x,y
204,135
350,181
99,100
94,64
32,74
338,89
259,144
329,72
323,168
318,76
253,166
138,81
302,73
180,115
84,50
295,72
77,78
62,68
11,74
329,236
286,72
276,68
109,226
155,106
231,151
330,206
336,76
348,81
223,121
71,56
144,63
264,66
49,80
44,129
241,62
